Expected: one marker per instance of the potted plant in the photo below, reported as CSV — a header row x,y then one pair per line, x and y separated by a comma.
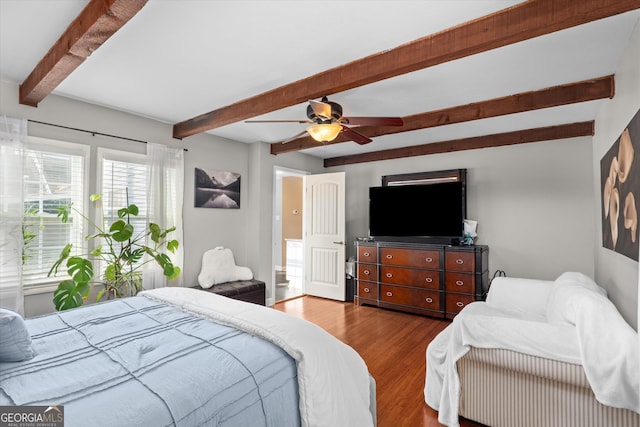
x,y
122,251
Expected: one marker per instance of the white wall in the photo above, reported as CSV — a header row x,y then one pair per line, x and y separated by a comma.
x,y
533,202
247,231
615,272
259,238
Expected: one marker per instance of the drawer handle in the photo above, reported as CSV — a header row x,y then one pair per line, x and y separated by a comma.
x,y
367,272
389,294
459,261
429,300
389,275
389,256
429,259
366,254
366,290
460,304
459,283
428,280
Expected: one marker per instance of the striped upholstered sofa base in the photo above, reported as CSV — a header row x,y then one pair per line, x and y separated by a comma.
x,y
503,388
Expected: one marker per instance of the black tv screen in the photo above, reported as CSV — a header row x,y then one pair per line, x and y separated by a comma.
x,y
431,210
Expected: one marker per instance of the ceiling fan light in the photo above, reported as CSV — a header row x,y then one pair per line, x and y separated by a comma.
x,y
324,132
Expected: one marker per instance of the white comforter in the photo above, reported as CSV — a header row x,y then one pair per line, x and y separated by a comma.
x,y
333,379
593,334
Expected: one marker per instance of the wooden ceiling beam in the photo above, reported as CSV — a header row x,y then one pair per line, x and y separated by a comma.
x,y
521,22
98,21
487,141
587,90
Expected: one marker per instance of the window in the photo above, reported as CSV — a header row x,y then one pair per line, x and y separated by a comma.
x,y
123,181
54,175
57,173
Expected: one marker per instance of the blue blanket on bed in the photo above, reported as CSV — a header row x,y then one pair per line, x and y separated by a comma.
x,y
142,363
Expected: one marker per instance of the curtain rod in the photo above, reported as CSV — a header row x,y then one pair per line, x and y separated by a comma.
x,y
94,133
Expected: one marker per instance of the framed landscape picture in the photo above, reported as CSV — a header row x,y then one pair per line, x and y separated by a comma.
x,y
216,189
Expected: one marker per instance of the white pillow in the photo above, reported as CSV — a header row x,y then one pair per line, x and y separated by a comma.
x,y
568,286
218,266
15,340
528,297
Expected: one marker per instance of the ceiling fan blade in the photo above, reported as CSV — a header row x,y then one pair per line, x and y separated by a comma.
x,y
355,136
278,121
373,121
296,136
321,109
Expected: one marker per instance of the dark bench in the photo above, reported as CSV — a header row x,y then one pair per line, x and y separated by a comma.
x,y
243,290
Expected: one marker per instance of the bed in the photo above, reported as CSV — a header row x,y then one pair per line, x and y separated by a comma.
x,y
183,357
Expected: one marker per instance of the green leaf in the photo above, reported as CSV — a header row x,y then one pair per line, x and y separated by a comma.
x,y
70,294
121,231
163,259
130,210
64,212
100,294
168,270
96,252
172,246
155,232
80,269
95,197
167,231
133,256
110,272
63,255
175,274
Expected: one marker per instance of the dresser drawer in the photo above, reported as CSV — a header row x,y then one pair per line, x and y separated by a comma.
x,y
456,302
367,290
395,294
410,257
429,300
368,272
460,282
460,261
368,254
410,277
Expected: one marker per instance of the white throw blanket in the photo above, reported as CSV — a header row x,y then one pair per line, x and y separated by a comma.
x,y
333,379
593,334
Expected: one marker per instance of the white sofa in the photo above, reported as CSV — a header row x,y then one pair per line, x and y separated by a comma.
x,y
537,353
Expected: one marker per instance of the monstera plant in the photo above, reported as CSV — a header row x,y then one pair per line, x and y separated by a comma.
x,y
120,249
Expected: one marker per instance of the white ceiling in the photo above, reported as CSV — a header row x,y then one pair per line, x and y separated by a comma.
x,y
177,59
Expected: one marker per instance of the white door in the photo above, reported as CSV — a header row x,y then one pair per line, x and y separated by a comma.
x,y
324,235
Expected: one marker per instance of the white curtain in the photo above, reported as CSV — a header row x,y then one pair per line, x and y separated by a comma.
x,y
13,136
166,185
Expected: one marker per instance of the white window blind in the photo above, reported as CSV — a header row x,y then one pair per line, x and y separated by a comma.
x,y
54,175
124,182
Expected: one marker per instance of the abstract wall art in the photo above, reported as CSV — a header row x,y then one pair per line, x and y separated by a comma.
x,y
620,189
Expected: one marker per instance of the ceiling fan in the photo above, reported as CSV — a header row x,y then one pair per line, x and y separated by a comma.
x,y
327,122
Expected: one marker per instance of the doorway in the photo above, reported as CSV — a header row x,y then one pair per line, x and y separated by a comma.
x,y
287,240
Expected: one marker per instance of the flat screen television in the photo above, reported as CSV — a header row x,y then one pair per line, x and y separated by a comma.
x,y
430,212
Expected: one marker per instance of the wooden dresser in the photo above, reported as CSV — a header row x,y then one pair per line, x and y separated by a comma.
x,y
430,279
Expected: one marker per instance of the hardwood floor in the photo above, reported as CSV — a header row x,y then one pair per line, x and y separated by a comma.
x,y
392,344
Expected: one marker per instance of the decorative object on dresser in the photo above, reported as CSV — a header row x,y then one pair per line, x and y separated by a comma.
x,y
430,279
